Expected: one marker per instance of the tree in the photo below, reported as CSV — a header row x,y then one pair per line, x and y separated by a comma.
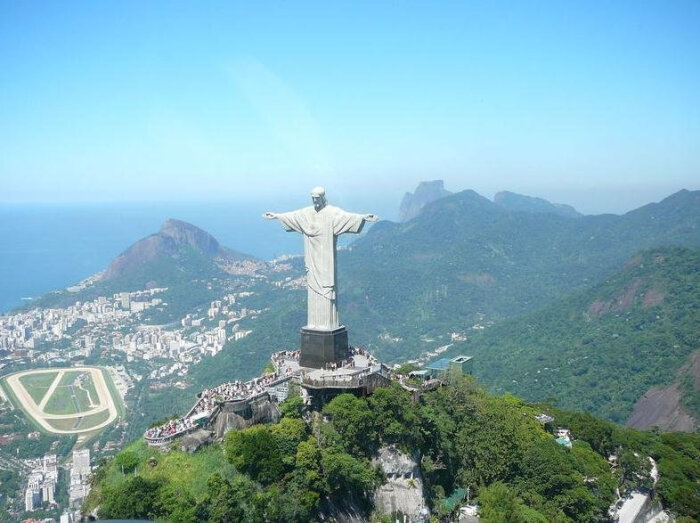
x,y
354,422
635,469
176,504
499,504
126,461
347,475
135,498
292,407
288,433
255,452
394,416
229,501
308,466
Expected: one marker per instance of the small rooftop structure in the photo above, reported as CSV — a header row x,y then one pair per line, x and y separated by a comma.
x,y
453,500
563,437
564,442
440,365
422,374
462,365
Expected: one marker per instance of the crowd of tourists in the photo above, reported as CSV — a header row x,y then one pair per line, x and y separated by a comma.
x,y
210,398
170,429
278,358
243,390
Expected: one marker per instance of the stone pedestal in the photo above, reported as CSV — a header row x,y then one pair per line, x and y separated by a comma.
x,y
321,347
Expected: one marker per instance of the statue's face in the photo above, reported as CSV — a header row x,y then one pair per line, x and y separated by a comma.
x,y
319,202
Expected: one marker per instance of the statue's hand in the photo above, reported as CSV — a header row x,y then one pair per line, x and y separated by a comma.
x,y
371,217
270,215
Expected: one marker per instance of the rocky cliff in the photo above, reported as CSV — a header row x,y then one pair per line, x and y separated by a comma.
x,y
403,490
426,192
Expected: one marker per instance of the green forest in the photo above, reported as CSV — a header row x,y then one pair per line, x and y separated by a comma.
x,y
311,464
601,349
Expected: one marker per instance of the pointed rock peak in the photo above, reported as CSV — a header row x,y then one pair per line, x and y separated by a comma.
x,y
426,192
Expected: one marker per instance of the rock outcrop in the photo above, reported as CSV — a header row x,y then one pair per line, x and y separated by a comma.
x,y
402,493
242,414
191,442
426,192
662,407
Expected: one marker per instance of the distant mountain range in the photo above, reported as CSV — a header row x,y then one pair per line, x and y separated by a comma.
x,y
465,258
517,202
413,203
466,262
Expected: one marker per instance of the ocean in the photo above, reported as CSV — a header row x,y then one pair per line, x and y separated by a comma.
x,y
49,247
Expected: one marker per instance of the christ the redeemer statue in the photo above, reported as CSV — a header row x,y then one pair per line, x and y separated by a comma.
x,y
321,224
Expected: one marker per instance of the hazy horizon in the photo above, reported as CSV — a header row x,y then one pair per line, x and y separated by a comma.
x,y
593,106
587,202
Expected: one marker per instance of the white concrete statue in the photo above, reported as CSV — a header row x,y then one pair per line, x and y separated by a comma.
x,y
321,224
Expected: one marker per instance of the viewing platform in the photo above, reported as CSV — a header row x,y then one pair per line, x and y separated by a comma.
x,y
344,378
237,395
359,374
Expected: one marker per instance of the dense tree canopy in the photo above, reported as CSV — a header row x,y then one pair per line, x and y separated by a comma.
x,y
462,437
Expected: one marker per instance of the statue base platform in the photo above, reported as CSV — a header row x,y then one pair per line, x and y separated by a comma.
x,y
319,348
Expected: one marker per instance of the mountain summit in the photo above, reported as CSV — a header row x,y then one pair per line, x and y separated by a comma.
x,y
426,192
519,202
170,241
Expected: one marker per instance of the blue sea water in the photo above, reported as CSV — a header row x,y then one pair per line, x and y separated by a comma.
x,y
43,248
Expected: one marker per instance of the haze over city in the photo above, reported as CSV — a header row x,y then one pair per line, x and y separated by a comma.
x,y
139,102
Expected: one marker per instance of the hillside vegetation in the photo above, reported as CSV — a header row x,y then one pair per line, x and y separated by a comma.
x,y
601,349
302,468
465,257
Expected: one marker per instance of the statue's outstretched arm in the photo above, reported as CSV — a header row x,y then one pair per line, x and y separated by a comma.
x,y
291,221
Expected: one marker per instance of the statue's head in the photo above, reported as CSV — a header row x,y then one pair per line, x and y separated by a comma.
x,y
318,195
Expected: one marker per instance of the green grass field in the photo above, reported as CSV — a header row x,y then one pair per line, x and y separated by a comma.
x,y
188,471
37,384
89,386
92,420
116,397
86,422
69,398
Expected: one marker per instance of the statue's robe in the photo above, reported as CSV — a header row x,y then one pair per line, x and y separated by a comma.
x,y
321,230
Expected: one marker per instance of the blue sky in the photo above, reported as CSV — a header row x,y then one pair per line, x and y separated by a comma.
x,y
596,104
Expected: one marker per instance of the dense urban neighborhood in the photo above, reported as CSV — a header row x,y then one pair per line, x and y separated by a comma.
x,y
43,353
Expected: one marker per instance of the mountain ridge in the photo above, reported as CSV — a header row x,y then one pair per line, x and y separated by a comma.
x,y
464,255
519,202
604,348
